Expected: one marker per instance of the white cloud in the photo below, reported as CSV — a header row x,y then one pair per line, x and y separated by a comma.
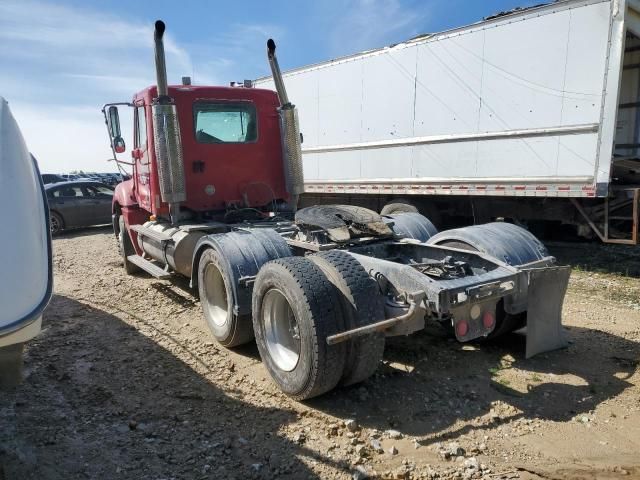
x,y
367,24
79,40
59,64
235,54
64,138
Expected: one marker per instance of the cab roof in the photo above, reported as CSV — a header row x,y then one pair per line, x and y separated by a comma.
x,y
217,92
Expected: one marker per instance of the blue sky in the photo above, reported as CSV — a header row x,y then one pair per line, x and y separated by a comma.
x,y
60,61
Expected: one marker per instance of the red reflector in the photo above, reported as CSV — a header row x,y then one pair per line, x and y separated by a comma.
x,y
488,319
462,328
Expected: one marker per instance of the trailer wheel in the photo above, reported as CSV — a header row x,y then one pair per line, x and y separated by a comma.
x,y
214,286
126,247
361,304
295,309
399,205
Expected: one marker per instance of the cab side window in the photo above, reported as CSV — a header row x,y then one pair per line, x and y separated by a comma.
x,y
141,129
225,122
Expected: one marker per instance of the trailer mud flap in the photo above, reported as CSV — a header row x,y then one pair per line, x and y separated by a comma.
x,y
547,287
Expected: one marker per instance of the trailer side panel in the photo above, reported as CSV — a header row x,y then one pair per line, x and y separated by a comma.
x,y
511,106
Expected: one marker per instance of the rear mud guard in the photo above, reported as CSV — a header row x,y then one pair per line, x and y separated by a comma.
x,y
547,287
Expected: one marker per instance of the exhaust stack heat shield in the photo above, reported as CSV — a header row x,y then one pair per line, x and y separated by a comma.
x,y
168,146
291,142
292,150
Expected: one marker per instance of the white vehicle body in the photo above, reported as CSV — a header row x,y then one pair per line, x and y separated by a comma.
x,y
523,104
25,247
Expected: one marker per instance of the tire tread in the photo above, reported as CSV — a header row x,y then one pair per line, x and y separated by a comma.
x,y
362,305
319,300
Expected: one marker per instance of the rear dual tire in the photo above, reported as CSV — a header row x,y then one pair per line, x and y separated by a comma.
x,y
361,304
398,206
505,322
229,328
297,303
295,310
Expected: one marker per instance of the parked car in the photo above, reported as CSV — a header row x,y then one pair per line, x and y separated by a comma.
x,y
78,204
70,176
113,179
48,178
106,178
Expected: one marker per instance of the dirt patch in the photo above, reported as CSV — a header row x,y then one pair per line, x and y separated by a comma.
x,y
125,382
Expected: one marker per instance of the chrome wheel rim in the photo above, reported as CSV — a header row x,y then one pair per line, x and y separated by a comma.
x,y
216,294
281,330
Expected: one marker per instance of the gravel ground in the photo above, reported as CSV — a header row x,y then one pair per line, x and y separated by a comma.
x,y
125,382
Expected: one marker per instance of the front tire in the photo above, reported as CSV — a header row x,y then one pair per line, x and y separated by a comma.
x,y
295,309
214,285
125,248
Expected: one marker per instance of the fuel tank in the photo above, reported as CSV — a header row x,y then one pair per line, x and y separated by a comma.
x,y
175,244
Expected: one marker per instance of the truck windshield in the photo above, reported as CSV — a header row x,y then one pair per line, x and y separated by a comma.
x,y
225,122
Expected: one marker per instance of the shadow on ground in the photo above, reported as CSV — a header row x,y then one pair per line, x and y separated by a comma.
x,y
429,382
596,257
84,231
101,400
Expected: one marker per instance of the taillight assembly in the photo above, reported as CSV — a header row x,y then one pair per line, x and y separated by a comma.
x,y
462,328
488,319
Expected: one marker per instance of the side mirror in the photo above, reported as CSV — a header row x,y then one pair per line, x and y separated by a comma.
x,y
119,145
114,122
114,129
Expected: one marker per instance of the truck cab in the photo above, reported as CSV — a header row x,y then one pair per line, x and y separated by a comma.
x,y
231,152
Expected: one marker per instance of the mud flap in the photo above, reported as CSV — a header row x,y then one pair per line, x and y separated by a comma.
x,y
547,287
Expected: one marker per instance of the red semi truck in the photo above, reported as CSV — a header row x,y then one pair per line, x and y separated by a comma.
x,y
217,172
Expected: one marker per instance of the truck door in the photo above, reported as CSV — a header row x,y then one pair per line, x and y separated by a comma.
x,y
143,167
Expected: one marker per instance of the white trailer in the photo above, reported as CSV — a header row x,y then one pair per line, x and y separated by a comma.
x,y
531,114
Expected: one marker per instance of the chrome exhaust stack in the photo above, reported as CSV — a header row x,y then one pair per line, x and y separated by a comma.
x,y
289,126
166,135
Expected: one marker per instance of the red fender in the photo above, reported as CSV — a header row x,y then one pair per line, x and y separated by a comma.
x,y
126,205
